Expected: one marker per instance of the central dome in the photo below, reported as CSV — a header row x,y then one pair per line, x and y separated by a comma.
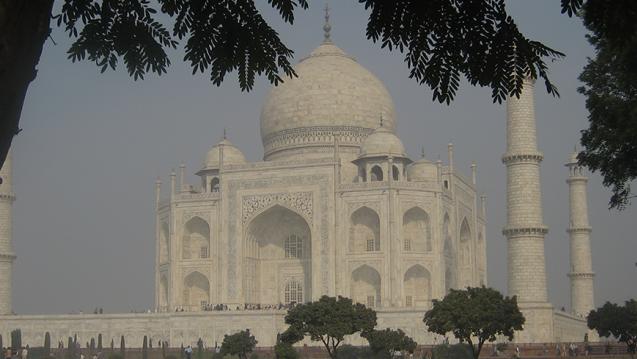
x,y
333,97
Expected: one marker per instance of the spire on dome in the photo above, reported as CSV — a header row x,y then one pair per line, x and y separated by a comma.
x,y
327,27
381,119
422,152
225,134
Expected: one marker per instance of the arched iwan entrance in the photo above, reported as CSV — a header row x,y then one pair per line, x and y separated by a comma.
x,y
277,258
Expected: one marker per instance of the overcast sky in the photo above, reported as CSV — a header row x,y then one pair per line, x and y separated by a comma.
x,y
92,145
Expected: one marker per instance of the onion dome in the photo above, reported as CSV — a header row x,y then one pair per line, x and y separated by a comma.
x,y
332,97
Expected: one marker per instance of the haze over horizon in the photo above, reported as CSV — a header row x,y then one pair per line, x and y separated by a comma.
x,y
92,145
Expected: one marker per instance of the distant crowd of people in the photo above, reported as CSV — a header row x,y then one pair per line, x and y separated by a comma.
x,y
21,353
247,306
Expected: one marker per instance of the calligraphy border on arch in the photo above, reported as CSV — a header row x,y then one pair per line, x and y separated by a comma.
x,y
234,186
301,202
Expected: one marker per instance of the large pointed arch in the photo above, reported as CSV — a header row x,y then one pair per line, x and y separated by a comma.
x,y
416,230
364,233
163,293
196,293
196,239
417,286
366,286
277,248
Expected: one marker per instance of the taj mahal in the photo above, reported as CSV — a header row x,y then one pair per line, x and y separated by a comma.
x,y
336,207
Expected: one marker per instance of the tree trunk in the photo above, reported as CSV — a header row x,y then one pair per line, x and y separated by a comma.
x,y
24,26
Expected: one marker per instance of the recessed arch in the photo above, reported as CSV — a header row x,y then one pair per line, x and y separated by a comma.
x,y
163,293
449,254
376,174
293,292
395,173
196,291
164,243
277,242
196,239
214,184
416,230
365,286
465,252
364,234
417,286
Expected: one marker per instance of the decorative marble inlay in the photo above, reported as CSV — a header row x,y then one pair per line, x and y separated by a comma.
x,y
301,202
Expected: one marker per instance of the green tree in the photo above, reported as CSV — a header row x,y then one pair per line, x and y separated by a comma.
x,y
475,314
328,320
239,344
387,342
16,339
47,345
99,342
122,347
283,350
145,348
610,88
200,348
70,349
618,321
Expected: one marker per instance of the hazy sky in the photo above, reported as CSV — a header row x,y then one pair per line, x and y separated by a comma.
x,y
92,145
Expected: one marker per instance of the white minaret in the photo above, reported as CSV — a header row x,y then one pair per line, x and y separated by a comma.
x,y
579,231
525,229
6,247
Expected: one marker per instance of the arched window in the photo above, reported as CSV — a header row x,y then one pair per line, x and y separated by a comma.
x,y
395,173
214,185
377,174
293,292
293,246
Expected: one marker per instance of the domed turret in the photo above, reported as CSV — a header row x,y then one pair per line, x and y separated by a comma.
x,y
422,170
382,142
333,96
231,155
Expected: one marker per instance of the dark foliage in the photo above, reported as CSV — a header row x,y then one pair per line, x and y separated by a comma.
x,y
388,342
610,87
283,350
618,321
479,314
239,344
328,320
444,40
16,339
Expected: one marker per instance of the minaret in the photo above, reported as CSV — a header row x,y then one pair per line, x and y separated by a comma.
x,y
525,229
579,231
6,247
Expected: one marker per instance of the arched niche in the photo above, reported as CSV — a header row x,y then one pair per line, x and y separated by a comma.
x,y
214,184
376,174
293,292
465,254
417,286
163,293
164,243
196,239
395,173
448,254
277,242
196,291
366,286
416,230
364,234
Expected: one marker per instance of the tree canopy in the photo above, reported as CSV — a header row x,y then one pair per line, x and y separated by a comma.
x,y
618,321
239,344
481,313
328,320
442,41
388,342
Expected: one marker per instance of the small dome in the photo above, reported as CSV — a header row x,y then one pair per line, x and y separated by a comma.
x,y
422,170
231,155
382,142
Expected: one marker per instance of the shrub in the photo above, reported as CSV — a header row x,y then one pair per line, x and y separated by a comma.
x,y
283,350
456,351
115,356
